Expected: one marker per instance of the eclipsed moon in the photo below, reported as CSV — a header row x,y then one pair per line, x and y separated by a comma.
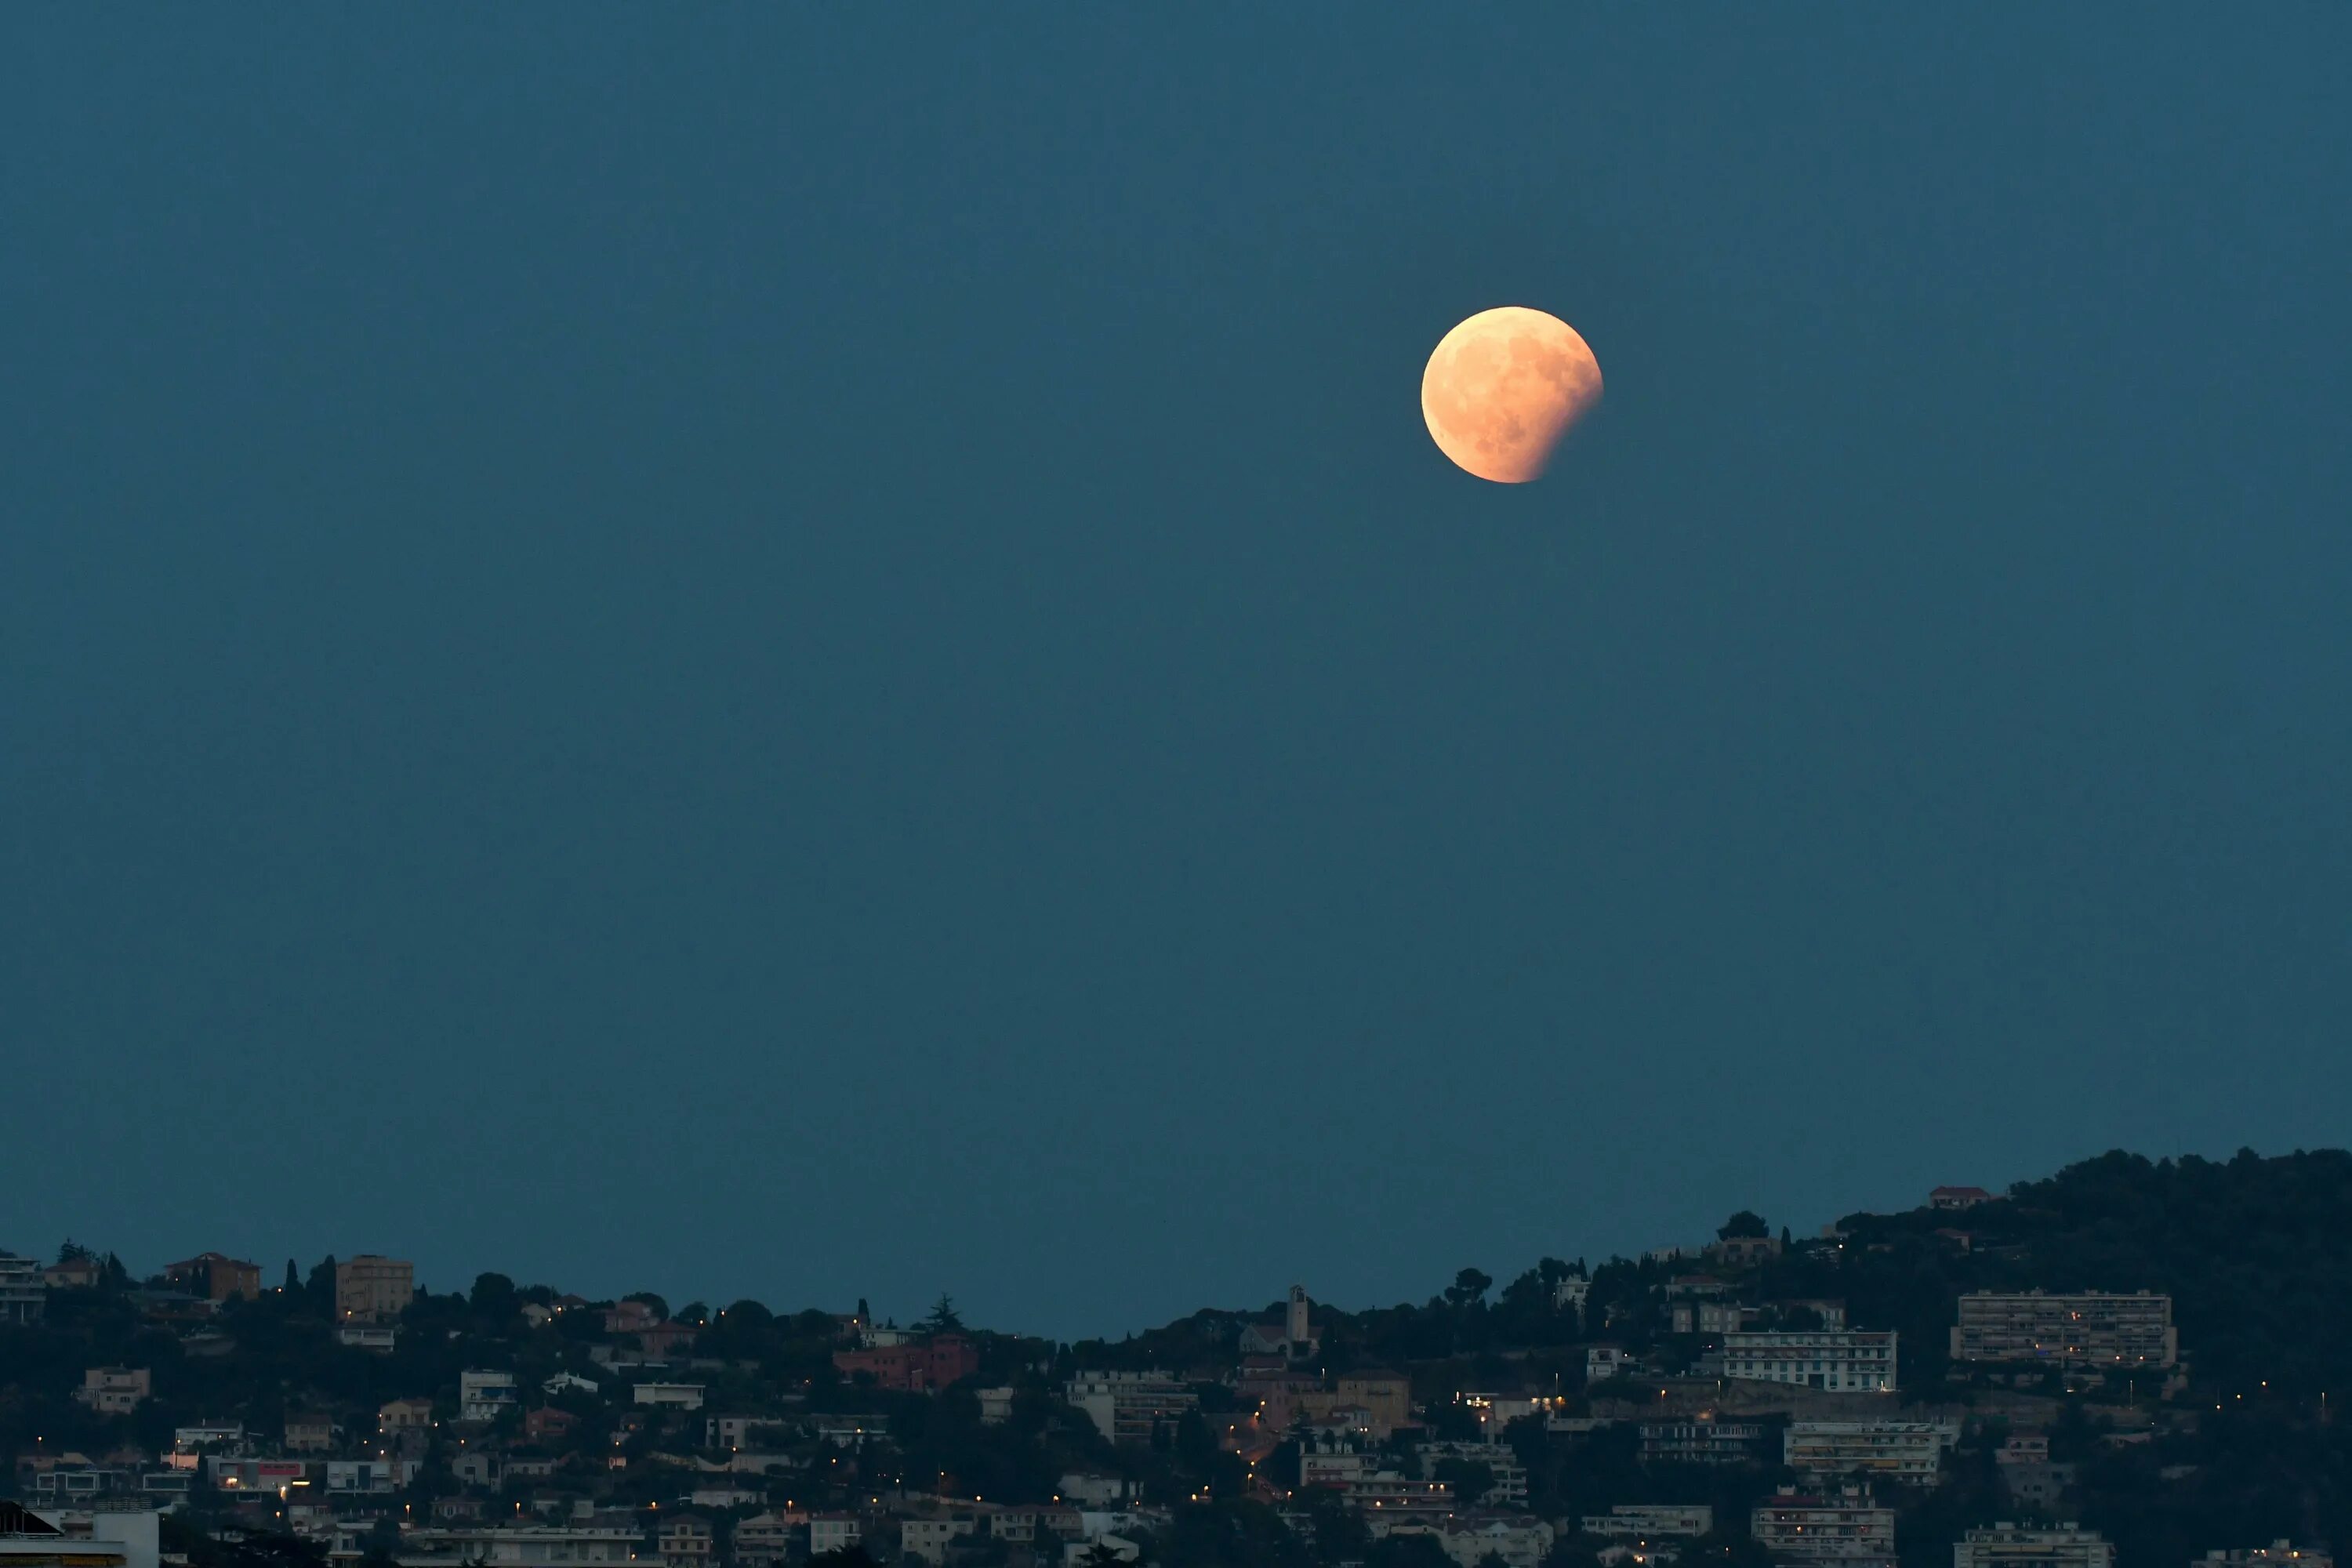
x,y
1502,389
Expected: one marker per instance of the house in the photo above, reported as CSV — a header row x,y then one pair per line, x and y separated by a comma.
x,y
548,1425
767,1539
923,1367
928,1537
405,1415
115,1390
1645,1522
215,1278
835,1533
630,1317
374,1290
376,1339
685,1541
1602,1363
309,1434
996,1405
1089,1488
570,1382
668,1395
78,1273
1957,1197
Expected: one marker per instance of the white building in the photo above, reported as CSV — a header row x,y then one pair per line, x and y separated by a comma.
x,y
1848,1529
108,1538
486,1395
1129,1406
371,1478
1520,1540
670,1396
835,1533
1602,1363
1911,1452
115,1390
1509,1491
24,1294
1853,1362
2008,1546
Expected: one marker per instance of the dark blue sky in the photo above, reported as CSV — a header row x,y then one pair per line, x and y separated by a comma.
x,y
816,653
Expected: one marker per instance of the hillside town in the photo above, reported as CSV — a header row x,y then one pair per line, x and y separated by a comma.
x,y
1950,1384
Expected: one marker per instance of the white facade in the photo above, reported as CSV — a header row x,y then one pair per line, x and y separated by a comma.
x,y
24,1294
1850,1528
486,1395
1853,1361
2008,1546
1908,1451
833,1532
670,1396
526,1547
1128,1406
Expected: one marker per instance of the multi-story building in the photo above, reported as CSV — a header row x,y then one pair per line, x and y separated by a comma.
x,y
1702,1440
215,1276
668,1395
920,1366
767,1539
1507,1491
1651,1521
1386,1496
1848,1527
928,1537
1518,1541
115,1390
24,1295
310,1433
2092,1330
835,1533
685,1541
1851,1362
373,1289
486,1395
1129,1406
2009,1546
371,1478
1908,1451
2277,1554
527,1546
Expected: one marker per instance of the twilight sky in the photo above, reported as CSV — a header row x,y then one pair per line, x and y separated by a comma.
x,y
781,652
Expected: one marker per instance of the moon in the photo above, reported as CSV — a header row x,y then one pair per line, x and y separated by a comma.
x,y
1502,389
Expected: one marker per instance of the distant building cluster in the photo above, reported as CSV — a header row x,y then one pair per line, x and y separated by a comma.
x,y
534,1429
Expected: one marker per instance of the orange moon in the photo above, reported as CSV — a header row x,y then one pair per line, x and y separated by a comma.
x,y
1503,387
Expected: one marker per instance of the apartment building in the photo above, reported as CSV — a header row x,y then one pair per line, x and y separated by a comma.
x,y
1129,1406
2009,1546
24,1295
1911,1452
1851,1361
2089,1329
374,1290
486,1395
1847,1528
1650,1522
2277,1554
1702,1440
